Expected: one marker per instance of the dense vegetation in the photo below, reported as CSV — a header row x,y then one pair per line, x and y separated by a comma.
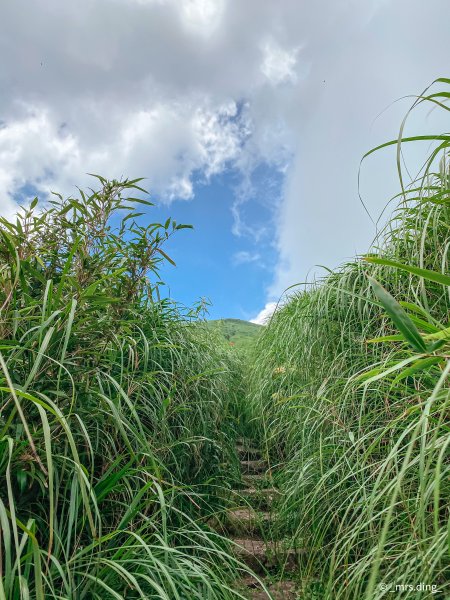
x,y
119,410
237,333
113,411
350,386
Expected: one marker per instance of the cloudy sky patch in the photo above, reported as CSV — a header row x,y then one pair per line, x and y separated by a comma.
x,y
265,107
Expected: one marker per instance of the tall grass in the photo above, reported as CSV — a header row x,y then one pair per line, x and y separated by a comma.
x,y
350,389
113,411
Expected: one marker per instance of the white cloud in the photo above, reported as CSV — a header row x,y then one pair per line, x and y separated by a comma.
x,y
31,151
321,220
176,89
265,314
167,143
279,64
202,16
244,257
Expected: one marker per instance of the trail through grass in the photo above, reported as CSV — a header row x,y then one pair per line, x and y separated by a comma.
x,y
119,410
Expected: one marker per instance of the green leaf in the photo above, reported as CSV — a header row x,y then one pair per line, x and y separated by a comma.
x,y
420,365
444,334
398,316
140,201
435,345
416,138
99,177
386,338
133,215
382,372
21,477
166,256
425,273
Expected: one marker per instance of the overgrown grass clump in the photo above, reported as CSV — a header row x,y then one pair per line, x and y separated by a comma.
x,y
113,411
350,388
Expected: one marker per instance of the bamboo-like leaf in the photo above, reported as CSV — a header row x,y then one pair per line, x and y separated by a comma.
x,y
166,256
425,273
421,365
415,138
398,316
386,338
382,372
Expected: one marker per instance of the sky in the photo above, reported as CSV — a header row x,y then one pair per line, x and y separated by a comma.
x,y
248,120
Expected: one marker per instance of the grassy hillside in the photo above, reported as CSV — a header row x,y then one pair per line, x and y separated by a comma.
x,y
237,333
350,385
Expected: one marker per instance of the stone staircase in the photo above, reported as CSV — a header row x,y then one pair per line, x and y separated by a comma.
x,y
250,526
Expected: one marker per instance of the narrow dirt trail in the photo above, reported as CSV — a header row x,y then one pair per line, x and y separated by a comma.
x,y
251,523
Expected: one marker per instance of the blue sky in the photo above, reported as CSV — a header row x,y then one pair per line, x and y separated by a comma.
x,y
247,119
232,271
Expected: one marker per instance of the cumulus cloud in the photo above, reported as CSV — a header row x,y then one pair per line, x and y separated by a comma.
x,y
145,87
202,16
265,314
180,90
112,87
166,142
279,64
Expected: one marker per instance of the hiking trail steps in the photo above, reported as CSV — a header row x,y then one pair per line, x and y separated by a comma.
x,y
250,526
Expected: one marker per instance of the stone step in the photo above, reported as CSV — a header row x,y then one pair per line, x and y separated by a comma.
x,y
262,556
254,466
247,452
246,521
285,589
260,497
255,480
241,521
240,441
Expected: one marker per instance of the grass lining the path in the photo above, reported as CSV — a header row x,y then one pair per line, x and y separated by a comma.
x,y
350,391
114,408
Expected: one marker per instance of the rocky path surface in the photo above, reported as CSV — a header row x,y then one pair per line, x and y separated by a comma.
x,y
251,525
